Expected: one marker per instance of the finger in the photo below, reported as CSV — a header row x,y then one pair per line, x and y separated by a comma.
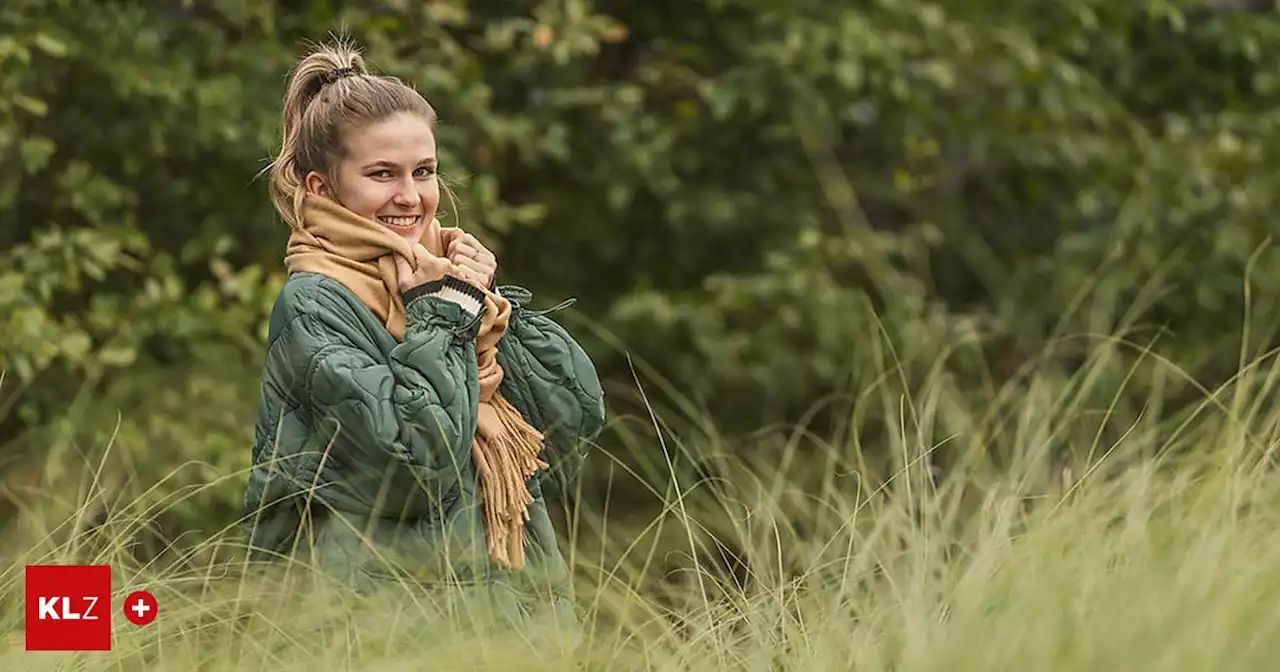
x,y
403,263
434,267
448,235
403,270
478,272
463,250
422,255
462,273
454,244
473,264
426,259
482,252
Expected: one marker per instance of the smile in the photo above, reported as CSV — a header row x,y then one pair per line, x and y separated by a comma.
x,y
399,221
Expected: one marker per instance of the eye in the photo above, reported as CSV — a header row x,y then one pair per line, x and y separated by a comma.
x,y
424,171
381,174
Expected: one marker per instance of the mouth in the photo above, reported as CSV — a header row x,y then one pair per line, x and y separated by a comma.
x,y
400,222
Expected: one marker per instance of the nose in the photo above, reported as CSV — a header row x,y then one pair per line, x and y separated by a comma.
x,y
406,193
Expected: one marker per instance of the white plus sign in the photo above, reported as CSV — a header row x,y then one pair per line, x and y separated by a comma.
x,y
141,608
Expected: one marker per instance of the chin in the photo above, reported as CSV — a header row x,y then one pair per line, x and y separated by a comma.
x,y
413,235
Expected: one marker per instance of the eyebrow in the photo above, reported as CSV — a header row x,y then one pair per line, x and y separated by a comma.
x,y
383,163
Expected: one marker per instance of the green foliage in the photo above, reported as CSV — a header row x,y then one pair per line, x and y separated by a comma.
x,y
767,202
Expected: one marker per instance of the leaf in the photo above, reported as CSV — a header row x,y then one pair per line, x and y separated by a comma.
x,y
76,345
51,45
117,355
36,152
35,107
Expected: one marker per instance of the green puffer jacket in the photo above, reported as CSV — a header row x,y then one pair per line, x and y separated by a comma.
x,y
362,459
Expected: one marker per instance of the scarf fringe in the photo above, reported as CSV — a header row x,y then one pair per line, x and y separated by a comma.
x,y
506,461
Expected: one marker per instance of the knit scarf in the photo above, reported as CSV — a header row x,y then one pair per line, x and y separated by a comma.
x,y
359,253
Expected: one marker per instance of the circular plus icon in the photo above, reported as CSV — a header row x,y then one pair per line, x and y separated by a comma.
x,y
140,607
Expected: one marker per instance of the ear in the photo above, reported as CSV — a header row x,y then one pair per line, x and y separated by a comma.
x,y
317,184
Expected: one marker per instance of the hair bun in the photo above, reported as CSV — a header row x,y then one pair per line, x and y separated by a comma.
x,y
338,73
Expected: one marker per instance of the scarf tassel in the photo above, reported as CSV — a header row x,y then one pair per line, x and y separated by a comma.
x,y
506,460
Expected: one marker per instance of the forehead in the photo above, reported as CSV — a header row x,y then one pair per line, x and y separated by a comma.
x,y
403,138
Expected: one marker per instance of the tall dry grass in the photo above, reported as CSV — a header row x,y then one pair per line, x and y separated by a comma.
x,y
1110,537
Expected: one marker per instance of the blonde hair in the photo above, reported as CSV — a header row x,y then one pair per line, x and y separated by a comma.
x,y
330,93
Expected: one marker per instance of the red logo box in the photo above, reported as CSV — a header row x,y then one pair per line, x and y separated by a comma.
x,y
68,607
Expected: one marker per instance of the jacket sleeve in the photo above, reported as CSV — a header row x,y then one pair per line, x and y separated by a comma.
x,y
548,375
389,434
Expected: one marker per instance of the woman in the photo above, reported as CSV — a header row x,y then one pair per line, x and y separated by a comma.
x,y
414,418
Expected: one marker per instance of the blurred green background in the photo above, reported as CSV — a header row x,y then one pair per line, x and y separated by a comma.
x,y
761,206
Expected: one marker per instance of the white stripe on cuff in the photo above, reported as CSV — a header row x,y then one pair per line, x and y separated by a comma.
x,y
468,302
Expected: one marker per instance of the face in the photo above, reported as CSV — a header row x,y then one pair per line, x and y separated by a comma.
x,y
387,174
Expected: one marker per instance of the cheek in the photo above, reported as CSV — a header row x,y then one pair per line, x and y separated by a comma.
x,y
430,195
361,196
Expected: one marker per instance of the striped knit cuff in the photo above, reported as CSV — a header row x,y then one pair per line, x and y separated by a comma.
x,y
449,288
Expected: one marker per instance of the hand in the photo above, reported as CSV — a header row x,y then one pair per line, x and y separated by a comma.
x,y
473,261
430,268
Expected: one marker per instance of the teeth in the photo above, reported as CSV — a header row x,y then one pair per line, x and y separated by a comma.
x,y
402,222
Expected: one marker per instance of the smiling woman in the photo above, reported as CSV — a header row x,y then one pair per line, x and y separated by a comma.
x,y
403,436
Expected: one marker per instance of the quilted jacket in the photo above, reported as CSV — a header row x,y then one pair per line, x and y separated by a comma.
x,y
362,455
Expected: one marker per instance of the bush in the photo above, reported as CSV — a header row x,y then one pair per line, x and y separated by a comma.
x,y
775,206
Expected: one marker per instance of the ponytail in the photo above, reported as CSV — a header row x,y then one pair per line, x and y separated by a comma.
x,y
304,146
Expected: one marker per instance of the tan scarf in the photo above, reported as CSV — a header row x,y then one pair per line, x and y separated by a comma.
x,y
358,252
